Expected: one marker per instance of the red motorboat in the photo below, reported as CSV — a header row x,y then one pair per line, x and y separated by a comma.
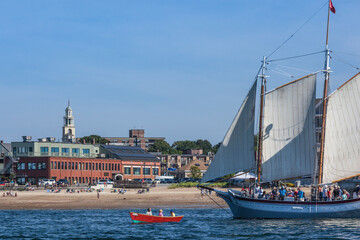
x,y
144,218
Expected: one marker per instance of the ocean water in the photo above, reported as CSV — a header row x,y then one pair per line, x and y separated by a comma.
x,y
196,224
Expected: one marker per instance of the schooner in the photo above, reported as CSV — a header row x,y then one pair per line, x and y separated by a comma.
x,y
287,144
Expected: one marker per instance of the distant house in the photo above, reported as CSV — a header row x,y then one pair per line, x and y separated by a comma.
x,y
185,172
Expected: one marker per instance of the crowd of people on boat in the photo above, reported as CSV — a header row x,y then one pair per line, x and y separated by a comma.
x,y
321,193
149,212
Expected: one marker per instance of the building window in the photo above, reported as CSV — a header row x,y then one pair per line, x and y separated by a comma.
x,y
21,166
41,165
76,166
20,181
44,151
14,150
155,171
55,151
32,180
55,165
146,170
59,165
65,165
76,152
86,152
22,150
52,165
127,170
65,150
86,166
31,166
30,149
106,166
136,171
96,166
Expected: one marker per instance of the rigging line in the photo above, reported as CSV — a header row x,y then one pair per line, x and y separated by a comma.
x,y
298,56
219,205
298,29
340,59
351,54
294,68
279,71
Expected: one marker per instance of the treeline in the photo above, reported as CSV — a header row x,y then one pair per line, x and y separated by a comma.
x,y
179,147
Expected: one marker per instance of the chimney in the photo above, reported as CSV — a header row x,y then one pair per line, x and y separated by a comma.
x,y
93,141
84,141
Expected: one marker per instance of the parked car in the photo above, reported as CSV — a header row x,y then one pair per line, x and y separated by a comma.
x,y
63,182
107,181
47,182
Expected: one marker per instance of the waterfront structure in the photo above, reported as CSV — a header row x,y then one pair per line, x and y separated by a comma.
x,y
136,138
68,130
83,163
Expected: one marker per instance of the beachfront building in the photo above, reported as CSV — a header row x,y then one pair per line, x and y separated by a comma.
x,y
136,138
185,171
170,163
83,163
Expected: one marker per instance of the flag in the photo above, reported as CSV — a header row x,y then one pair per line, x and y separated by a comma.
x,y
331,6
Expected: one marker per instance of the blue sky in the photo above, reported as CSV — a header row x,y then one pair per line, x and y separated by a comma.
x,y
178,69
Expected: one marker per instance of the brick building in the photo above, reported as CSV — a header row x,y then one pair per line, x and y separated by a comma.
x,y
82,163
136,138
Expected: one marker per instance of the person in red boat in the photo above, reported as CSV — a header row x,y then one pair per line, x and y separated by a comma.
x,y
161,213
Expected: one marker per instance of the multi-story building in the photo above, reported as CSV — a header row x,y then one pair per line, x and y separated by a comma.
x,y
136,138
170,163
83,163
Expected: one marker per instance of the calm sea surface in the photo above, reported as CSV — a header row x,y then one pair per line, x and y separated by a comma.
x,y
197,224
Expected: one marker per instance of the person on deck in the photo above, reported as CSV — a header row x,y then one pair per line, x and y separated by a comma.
x,y
300,195
282,192
336,193
172,213
149,212
356,191
161,213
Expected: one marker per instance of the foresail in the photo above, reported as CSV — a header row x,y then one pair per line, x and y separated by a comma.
x,y
289,147
236,152
342,133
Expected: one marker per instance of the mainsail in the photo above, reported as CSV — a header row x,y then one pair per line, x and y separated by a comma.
x,y
342,133
236,152
289,147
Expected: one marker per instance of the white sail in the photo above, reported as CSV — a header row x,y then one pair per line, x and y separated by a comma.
x,y
342,133
289,147
236,152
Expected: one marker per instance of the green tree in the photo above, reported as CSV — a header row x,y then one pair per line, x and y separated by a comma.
x,y
205,145
216,147
161,146
195,172
183,146
98,139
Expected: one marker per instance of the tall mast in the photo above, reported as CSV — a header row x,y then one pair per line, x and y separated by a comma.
x,y
326,84
263,82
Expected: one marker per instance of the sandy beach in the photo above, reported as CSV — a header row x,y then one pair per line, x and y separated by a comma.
x,y
157,197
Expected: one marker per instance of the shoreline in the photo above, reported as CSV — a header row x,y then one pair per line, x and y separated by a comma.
x,y
159,197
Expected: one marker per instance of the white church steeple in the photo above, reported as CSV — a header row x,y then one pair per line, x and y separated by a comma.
x,y
69,125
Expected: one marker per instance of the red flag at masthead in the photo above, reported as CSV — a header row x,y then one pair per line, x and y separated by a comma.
x,y
331,6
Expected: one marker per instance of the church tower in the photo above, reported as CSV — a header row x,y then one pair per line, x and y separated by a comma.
x,y
68,135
